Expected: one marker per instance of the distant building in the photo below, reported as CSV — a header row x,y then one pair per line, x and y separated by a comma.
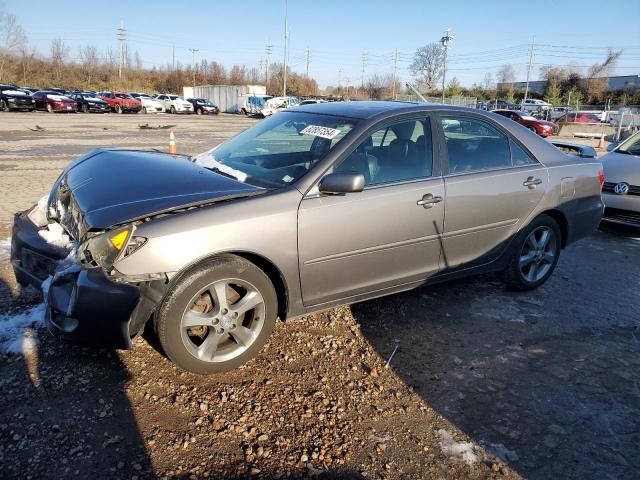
x,y
628,83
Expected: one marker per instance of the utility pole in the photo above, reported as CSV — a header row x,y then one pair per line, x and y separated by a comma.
x,y
445,44
348,81
266,66
122,35
364,64
308,55
193,68
395,70
173,57
526,89
339,79
286,40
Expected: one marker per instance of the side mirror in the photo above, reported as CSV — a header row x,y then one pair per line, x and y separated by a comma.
x,y
612,146
342,182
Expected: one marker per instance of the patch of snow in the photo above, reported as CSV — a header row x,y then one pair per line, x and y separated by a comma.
x,y
38,215
506,455
5,250
15,329
54,234
207,160
459,450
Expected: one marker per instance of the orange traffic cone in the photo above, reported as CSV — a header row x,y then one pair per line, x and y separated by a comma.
x,y
172,143
601,142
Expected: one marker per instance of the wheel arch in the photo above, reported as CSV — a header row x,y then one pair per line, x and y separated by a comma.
x,y
263,263
562,222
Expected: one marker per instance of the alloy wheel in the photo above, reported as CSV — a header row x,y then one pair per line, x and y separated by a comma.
x,y
222,320
538,254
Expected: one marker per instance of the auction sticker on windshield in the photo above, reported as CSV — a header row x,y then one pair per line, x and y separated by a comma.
x,y
318,131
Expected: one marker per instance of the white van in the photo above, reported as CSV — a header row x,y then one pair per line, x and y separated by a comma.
x,y
253,104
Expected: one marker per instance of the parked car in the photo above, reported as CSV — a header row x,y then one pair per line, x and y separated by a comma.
x,y
621,191
88,102
11,98
541,127
558,112
581,117
60,91
29,90
53,102
500,104
253,104
174,103
534,105
203,106
121,102
314,207
311,101
275,104
149,104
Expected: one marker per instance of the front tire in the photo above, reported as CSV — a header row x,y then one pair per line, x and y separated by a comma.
x,y
49,108
172,109
534,255
118,109
3,106
85,108
533,129
199,111
217,316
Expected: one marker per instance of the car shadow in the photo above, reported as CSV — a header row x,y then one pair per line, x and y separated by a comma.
x,y
64,410
543,379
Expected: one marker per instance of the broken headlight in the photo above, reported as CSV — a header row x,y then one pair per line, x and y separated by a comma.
x,y
104,249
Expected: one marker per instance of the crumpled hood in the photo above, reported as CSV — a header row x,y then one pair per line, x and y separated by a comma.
x,y
111,187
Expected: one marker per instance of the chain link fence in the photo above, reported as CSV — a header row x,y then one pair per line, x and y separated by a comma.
x,y
470,102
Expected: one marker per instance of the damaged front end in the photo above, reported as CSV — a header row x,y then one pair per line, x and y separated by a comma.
x,y
87,300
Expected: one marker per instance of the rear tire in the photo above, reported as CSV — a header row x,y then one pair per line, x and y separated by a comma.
x,y
144,110
49,108
172,110
3,106
85,108
245,112
534,255
199,111
207,300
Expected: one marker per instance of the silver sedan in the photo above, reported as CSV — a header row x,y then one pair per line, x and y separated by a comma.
x,y
317,206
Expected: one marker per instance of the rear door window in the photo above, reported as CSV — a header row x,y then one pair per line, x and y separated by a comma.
x,y
474,145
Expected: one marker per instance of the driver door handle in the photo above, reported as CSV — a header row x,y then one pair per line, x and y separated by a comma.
x,y
531,182
429,200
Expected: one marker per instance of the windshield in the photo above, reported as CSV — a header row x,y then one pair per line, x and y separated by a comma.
x,y
279,150
122,95
631,146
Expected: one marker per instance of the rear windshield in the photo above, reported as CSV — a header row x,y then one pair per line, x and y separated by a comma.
x,y
279,150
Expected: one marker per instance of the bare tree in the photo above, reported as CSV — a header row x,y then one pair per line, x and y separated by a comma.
x,y
59,53
11,38
238,75
487,82
506,74
216,74
90,61
427,65
27,56
137,61
596,82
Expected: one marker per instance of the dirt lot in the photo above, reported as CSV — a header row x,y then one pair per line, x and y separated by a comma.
x,y
543,384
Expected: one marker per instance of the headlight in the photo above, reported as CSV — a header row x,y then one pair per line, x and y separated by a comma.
x,y
105,248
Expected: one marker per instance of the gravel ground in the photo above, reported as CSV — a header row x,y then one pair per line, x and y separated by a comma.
x,y
542,385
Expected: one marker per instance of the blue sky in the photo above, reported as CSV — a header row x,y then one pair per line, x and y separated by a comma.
x,y
487,34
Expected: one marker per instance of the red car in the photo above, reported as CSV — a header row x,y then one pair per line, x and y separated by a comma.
x,y
541,127
53,102
121,102
581,117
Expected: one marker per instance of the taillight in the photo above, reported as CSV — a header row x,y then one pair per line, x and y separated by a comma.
x,y
601,177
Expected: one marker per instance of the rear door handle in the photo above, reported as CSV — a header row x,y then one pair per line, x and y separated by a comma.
x,y
531,182
429,200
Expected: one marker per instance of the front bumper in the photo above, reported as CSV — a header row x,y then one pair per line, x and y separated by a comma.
x,y
82,305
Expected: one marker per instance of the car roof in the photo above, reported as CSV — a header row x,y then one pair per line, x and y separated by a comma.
x,y
369,109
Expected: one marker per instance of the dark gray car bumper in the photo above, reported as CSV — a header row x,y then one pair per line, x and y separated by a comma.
x,y
82,304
